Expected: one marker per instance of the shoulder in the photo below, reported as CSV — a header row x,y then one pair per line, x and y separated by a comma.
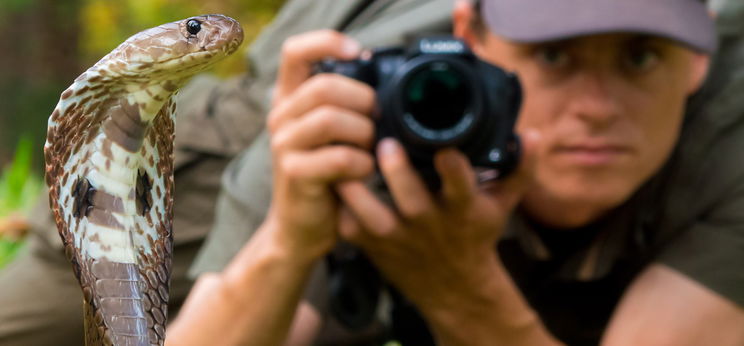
x,y
665,307
216,117
699,196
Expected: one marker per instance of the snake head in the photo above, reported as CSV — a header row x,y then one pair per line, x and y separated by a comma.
x,y
175,50
212,32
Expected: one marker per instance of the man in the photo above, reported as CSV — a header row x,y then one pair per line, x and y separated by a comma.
x,y
624,223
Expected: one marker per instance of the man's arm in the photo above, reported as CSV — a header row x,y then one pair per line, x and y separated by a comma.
x,y
664,307
438,250
493,313
253,300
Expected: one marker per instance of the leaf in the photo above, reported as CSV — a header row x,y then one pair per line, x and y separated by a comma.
x,y
14,6
8,251
19,187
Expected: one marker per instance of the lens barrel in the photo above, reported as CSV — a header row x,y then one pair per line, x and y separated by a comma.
x,y
437,96
433,101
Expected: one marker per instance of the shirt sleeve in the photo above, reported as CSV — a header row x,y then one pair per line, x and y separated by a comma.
x,y
241,207
711,250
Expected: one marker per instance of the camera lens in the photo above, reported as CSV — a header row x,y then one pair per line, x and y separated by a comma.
x,y
437,96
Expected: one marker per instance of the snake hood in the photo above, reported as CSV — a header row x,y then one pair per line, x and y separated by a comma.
x,y
109,168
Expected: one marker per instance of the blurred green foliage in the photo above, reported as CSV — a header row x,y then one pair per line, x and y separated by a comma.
x,y
19,186
11,6
8,251
19,189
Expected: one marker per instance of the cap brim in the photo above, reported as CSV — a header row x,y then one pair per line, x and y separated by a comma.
x,y
685,21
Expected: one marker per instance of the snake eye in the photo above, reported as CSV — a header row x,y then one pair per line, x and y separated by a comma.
x,y
193,26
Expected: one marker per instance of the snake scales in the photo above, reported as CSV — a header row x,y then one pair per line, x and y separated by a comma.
x,y
109,168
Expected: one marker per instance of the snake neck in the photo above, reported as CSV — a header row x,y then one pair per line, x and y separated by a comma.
x,y
93,335
116,315
118,196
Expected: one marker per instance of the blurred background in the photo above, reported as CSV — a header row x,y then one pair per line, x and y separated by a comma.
x,y
46,44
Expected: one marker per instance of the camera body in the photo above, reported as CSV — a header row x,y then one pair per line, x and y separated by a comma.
x,y
432,94
436,93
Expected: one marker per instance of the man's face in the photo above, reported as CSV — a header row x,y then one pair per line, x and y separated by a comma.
x,y
609,109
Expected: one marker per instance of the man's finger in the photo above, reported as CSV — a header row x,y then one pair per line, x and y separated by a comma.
x,y
458,178
327,164
323,89
408,190
375,217
349,228
325,125
300,52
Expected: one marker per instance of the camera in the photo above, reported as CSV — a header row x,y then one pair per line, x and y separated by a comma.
x,y
436,93
432,94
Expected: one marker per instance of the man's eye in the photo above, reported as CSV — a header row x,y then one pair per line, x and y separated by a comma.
x,y
642,60
552,57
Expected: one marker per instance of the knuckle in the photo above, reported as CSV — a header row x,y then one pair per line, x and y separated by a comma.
x,y
343,159
272,122
324,86
386,228
348,160
367,163
417,211
321,122
368,133
318,88
291,48
279,142
329,35
350,233
290,167
368,97
460,202
325,116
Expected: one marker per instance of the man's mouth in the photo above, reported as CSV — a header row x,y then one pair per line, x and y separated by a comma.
x,y
593,154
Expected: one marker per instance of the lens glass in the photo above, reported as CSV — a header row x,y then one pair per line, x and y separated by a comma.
x,y
437,96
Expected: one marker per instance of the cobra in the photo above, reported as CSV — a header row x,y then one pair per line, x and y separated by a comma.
x,y
109,168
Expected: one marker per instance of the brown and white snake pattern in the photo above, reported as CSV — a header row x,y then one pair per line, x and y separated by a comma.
x,y
109,168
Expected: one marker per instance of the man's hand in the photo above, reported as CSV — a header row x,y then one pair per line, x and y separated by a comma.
x,y
431,242
320,134
439,250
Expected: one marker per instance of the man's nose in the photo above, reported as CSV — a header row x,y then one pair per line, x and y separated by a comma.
x,y
594,100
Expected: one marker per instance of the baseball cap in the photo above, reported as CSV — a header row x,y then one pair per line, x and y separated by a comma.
x,y
684,21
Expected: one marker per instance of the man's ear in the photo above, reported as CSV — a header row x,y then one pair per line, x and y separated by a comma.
x,y
700,67
462,22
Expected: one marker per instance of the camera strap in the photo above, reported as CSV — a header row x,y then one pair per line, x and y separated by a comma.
x,y
362,13
353,14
